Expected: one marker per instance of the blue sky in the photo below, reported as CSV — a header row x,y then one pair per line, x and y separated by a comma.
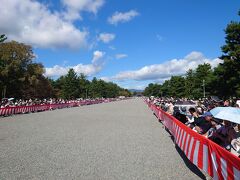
x,y
131,43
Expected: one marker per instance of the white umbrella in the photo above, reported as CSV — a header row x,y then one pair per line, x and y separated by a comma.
x,y
227,113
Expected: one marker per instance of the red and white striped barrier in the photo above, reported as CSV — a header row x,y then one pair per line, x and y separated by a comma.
x,y
35,108
205,154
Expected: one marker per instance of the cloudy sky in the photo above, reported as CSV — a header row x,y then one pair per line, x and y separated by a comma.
x,y
131,43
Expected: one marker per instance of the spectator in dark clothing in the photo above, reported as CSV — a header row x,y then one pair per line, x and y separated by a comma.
x,y
194,116
181,117
224,135
193,112
203,123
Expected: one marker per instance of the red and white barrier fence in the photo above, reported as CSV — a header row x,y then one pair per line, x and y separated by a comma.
x,y
35,108
205,154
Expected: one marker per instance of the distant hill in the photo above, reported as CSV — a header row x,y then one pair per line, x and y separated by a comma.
x,y
135,90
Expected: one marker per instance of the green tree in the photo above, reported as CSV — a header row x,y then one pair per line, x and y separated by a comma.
x,y
177,88
166,88
58,86
83,85
99,88
15,59
228,73
125,92
35,85
70,87
152,90
43,88
94,88
189,83
203,77
113,90
20,77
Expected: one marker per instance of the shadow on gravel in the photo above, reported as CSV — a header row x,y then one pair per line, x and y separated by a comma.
x,y
187,162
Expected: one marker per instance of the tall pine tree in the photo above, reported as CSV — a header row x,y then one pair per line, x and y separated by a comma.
x,y
228,73
71,85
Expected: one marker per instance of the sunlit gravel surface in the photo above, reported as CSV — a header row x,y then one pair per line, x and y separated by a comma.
x,y
118,140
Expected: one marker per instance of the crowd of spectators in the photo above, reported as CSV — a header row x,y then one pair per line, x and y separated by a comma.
x,y
197,116
11,102
11,106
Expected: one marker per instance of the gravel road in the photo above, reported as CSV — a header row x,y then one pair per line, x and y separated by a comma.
x,y
118,140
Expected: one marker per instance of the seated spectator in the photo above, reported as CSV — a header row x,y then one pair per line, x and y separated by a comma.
x,y
216,124
191,119
203,124
193,112
224,135
181,117
175,110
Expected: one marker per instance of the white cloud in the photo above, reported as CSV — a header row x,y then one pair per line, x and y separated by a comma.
x,y
107,79
56,71
106,37
119,17
166,70
97,55
158,73
135,86
121,56
87,69
33,23
75,7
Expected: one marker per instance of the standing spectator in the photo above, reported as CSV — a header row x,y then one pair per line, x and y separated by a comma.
x,y
170,108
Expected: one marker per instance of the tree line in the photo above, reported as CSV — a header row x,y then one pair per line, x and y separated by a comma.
x,y
223,80
21,77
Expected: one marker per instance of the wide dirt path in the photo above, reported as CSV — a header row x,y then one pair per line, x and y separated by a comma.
x,y
119,140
